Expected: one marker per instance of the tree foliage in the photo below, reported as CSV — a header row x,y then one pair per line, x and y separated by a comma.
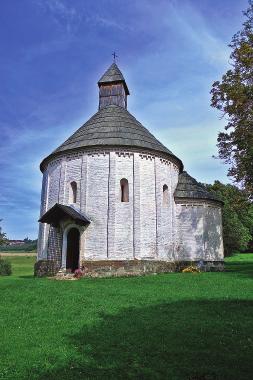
x,y
233,96
237,216
3,238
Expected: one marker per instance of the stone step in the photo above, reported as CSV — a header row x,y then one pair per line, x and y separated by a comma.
x,y
65,276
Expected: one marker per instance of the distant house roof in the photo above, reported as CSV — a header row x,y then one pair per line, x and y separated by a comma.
x,y
189,188
112,126
60,212
113,75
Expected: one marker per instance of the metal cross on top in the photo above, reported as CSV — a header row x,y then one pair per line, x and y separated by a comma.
x,y
114,56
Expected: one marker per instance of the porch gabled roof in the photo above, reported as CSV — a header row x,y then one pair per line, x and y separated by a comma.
x,y
60,212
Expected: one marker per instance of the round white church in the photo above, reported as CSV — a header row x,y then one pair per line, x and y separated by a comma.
x,y
117,201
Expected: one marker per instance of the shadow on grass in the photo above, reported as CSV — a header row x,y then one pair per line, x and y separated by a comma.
x,y
27,277
197,340
240,267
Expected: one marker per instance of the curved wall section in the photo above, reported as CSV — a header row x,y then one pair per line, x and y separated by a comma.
x,y
142,227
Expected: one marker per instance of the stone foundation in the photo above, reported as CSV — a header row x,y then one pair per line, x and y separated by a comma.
x,y
46,268
116,268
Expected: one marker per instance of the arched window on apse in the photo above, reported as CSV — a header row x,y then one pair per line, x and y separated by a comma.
x,y
72,192
124,190
165,195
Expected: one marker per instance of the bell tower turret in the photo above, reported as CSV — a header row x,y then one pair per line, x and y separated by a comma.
x,y
113,88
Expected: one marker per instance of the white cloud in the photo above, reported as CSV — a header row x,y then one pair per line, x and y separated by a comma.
x,y
191,24
62,13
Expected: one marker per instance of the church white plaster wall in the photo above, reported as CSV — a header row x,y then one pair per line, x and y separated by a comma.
x,y
199,232
54,174
190,231
140,228
137,205
62,186
83,182
148,229
164,171
123,236
73,173
174,174
97,206
143,227
213,242
49,196
112,190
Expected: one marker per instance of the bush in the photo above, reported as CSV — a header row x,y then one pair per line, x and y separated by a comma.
x,y
5,267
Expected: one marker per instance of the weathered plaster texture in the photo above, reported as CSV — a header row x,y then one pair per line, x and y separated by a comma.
x,y
199,232
145,228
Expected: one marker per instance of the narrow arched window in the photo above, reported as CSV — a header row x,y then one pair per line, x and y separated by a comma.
x,y
165,195
124,190
72,192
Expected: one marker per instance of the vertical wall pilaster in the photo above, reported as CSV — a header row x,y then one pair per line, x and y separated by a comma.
x,y
174,219
83,202
158,205
61,197
111,205
137,207
83,184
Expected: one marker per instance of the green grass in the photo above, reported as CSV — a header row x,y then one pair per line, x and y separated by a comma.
x,y
170,326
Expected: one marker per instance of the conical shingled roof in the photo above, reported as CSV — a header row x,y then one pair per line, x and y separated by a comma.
x,y
112,126
188,187
113,75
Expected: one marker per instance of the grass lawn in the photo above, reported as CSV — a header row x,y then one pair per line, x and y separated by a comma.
x,y
169,326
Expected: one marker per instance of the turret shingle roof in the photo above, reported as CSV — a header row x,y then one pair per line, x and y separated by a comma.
x,y
113,75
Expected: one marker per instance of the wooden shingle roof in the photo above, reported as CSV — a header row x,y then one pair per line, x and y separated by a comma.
x,y
60,212
113,75
112,126
189,188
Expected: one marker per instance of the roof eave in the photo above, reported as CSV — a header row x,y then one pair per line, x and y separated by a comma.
x,y
60,211
202,199
67,151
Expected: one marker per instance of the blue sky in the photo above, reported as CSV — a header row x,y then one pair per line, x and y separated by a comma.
x,y
54,51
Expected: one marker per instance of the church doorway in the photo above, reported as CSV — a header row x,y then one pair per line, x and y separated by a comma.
x,y
72,259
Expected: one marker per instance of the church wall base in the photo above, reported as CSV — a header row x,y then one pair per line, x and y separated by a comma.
x,y
117,268
46,268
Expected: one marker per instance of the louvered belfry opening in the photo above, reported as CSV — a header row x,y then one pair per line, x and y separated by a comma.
x,y
113,88
112,94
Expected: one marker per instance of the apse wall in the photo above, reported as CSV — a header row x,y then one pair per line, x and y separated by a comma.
x,y
199,231
143,227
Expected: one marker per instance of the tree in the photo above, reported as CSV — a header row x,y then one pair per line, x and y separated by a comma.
x,y
237,216
3,238
233,95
